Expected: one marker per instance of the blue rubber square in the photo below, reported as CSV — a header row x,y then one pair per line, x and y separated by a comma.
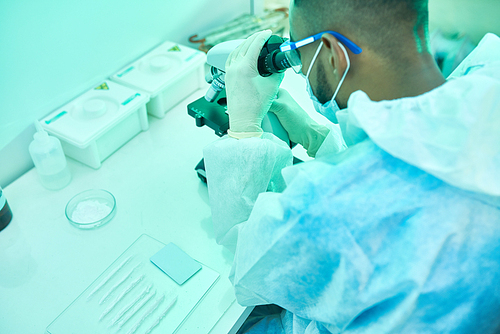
x,y
175,263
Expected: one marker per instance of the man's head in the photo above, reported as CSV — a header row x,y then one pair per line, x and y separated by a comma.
x,y
392,34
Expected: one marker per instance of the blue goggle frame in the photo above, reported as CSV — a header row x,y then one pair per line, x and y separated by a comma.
x,y
289,48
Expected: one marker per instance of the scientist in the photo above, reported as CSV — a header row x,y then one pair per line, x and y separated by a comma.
x,y
395,226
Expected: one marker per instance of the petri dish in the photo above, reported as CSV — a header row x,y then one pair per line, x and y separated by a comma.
x,y
91,208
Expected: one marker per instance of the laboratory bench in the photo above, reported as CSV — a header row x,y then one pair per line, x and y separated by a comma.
x,y
46,263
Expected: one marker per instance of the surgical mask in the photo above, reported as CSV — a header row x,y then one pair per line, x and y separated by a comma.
x,y
330,108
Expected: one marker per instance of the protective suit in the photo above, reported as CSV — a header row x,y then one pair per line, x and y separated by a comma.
x,y
398,233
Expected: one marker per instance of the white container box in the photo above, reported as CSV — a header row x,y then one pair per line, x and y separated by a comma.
x,y
100,121
168,73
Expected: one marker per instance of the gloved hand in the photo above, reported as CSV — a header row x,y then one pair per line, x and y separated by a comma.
x,y
301,128
249,96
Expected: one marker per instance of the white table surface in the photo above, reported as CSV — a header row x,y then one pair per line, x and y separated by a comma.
x,y
45,263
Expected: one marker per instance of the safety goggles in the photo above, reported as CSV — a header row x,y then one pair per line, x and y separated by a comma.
x,y
292,54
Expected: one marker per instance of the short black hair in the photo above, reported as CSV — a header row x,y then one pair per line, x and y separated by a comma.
x,y
381,25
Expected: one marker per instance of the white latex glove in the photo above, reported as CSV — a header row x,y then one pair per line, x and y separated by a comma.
x,y
301,128
249,95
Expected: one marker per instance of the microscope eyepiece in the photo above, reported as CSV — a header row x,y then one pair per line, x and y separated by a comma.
x,y
271,59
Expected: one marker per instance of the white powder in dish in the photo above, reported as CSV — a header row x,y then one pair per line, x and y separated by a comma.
x,y
90,211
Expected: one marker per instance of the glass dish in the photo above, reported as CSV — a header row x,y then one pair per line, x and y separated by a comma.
x,y
91,208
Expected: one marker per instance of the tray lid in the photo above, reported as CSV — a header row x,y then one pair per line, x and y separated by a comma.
x,y
93,113
160,67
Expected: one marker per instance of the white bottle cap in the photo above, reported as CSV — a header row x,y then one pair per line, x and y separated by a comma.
x,y
40,135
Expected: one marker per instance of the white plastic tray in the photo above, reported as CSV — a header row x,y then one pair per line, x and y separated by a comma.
x,y
97,123
169,73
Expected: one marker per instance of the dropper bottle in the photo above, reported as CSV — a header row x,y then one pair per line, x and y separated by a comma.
x,y
49,159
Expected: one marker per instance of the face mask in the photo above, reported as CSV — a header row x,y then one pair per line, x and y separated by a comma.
x,y
330,108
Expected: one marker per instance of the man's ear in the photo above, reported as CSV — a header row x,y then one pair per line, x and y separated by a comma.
x,y
336,57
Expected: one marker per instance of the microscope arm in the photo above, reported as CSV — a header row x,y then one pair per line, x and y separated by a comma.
x,y
217,55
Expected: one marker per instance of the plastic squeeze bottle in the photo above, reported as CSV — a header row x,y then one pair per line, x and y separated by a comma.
x,y
49,159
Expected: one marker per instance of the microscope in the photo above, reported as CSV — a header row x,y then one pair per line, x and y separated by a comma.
x,y
211,109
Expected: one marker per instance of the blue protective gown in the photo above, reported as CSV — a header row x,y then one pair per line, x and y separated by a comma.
x,y
399,233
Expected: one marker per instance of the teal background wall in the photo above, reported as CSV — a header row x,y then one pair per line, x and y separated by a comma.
x,y
53,50
471,17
